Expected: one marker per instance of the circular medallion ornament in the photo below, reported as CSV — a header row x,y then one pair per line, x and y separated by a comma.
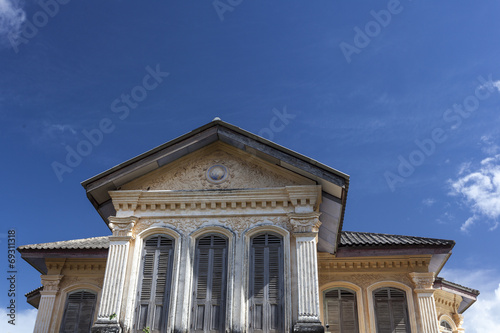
x,y
217,174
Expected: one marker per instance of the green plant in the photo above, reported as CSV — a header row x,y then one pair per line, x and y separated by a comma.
x,y
112,316
146,330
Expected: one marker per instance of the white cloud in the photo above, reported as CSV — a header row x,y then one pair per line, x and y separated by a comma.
x,y
489,145
429,202
492,84
483,315
467,224
12,17
25,321
481,190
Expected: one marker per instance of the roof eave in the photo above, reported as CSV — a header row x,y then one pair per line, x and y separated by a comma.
x,y
98,186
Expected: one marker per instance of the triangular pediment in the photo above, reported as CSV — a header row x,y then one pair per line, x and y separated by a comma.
x,y
217,166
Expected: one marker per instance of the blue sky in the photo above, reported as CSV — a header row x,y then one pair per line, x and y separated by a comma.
x,y
402,96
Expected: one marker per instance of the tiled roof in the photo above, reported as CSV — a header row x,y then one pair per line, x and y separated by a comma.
x,y
440,281
34,292
359,239
94,243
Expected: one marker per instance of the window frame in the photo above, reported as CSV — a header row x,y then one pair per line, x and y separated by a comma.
x,y
195,272
324,303
247,236
359,301
450,322
135,272
410,303
168,283
66,302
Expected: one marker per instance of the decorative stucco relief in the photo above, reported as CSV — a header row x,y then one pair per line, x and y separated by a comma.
x,y
76,280
187,225
363,280
243,171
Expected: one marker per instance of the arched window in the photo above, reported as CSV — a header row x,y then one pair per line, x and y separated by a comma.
x,y
266,283
391,311
341,311
445,327
210,280
154,284
78,312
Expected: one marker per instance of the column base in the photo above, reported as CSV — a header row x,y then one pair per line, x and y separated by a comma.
x,y
106,327
308,328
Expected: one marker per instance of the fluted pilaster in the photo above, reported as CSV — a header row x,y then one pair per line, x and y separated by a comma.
x,y
425,294
50,288
109,315
306,226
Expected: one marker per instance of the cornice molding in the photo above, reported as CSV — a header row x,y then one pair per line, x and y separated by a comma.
x,y
379,264
297,199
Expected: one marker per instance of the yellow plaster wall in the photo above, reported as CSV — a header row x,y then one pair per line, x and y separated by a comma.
x,y
77,274
360,274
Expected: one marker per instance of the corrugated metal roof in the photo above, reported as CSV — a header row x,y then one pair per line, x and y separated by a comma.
x,y
93,243
353,239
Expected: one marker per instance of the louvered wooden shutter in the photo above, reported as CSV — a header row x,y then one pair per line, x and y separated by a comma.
x,y
79,312
266,283
210,278
341,311
391,311
154,290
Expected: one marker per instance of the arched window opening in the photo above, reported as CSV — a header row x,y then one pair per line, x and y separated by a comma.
x,y
266,284
154,284
445,327
210,280
340,311
391,311
78,312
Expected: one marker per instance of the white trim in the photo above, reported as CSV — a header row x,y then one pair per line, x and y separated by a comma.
x,y
287,274
135,267
409,300
359,300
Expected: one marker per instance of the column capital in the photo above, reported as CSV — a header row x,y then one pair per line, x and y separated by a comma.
x,y
122,226
423,282
50,284
305,223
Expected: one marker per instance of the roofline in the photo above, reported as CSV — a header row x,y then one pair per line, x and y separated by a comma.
x,y
381,250
456,286
200,129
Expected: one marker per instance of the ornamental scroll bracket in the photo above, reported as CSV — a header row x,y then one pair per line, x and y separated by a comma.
x,y
305,222
50,284
423,282
122,226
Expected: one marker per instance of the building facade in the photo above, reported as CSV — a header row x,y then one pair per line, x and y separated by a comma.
x,y
223,231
